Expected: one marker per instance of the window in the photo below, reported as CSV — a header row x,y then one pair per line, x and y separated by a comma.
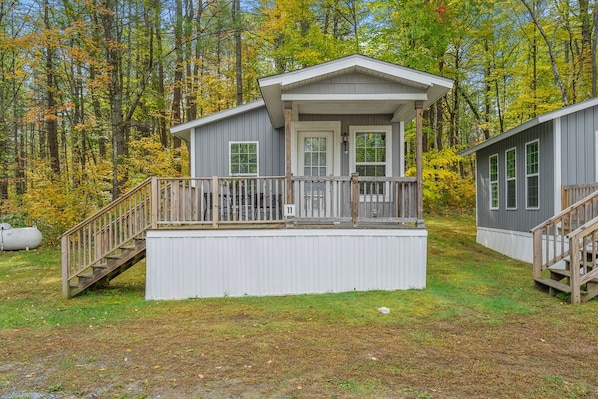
x,y
494,181
532,174
511,178
372,155
243,157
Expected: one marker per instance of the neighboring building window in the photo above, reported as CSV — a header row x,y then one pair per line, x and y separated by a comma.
x,y
494,181
511,178
372,156
243,158
532,174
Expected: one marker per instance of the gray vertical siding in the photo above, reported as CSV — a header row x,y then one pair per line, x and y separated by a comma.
x,y
355,83
361,120
578,131
212,143
520,219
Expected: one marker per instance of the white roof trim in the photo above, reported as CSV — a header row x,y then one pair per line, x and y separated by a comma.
x,y
533,122
353,61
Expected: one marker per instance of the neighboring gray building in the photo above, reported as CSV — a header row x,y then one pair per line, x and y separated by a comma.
x,y
520,174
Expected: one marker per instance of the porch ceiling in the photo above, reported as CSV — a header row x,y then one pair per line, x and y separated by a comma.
x,y
349,107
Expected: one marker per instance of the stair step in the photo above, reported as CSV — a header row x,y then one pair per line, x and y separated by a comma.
x,y
127,247
553,284
567,273
85,276
100,266
115,256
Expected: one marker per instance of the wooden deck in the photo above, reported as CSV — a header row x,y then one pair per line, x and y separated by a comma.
x,y
110,241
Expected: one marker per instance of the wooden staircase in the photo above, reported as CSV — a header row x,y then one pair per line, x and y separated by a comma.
x,y
559,282
107,243
115,264
566,252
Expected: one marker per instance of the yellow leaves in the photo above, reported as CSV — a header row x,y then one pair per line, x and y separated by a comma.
x,y
443,186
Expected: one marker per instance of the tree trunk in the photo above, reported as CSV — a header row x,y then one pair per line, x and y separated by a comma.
x,y
238,50
51,116
549,45
177,94
113,57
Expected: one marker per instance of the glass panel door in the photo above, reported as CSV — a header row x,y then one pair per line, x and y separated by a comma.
x,y
315,160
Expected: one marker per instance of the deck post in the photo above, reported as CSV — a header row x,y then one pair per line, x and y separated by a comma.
x,y
537,254
288,108
66,250
564,201
354,198
154,201
215,202
419,162
574,273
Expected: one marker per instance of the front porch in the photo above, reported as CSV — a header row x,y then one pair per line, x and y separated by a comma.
x,y
254,236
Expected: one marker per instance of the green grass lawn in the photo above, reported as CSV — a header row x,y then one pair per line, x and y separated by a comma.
x,y
479,329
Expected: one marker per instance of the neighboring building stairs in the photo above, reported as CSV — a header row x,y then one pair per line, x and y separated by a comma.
x,y
566,251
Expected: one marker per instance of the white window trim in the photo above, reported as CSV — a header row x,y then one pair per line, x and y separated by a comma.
x,y
257,147
508,179
353,130
532,174
494,208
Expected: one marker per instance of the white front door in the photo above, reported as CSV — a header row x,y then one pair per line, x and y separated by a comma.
x,y
314,159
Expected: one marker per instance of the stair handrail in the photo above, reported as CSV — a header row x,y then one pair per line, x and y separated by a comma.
x,y
115,202
85,245
549,237
582,241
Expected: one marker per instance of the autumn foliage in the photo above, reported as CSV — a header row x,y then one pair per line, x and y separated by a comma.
x,y
88,90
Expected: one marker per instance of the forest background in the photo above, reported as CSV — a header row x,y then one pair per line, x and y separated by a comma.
x,y
89,88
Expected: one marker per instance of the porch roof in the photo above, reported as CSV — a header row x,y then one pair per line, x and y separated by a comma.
x,y
419,86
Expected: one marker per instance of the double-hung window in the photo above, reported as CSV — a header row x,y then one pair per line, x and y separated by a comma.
x,y
243,158
494,181
532,174
371,155
511,178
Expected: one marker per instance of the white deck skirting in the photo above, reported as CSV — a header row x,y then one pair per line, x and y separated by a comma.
x,y
515,244
217,263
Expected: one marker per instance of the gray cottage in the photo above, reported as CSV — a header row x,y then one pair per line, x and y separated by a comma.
x,y
302,191
537,197
521,175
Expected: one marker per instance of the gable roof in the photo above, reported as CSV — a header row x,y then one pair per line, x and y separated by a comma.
x,y
273,87
533,122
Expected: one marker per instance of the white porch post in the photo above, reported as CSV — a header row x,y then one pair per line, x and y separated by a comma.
x,y
419,162
288,107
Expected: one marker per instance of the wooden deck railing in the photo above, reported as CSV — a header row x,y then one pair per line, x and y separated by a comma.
x,y
584,249
379,199
217,200
573,193
233,201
